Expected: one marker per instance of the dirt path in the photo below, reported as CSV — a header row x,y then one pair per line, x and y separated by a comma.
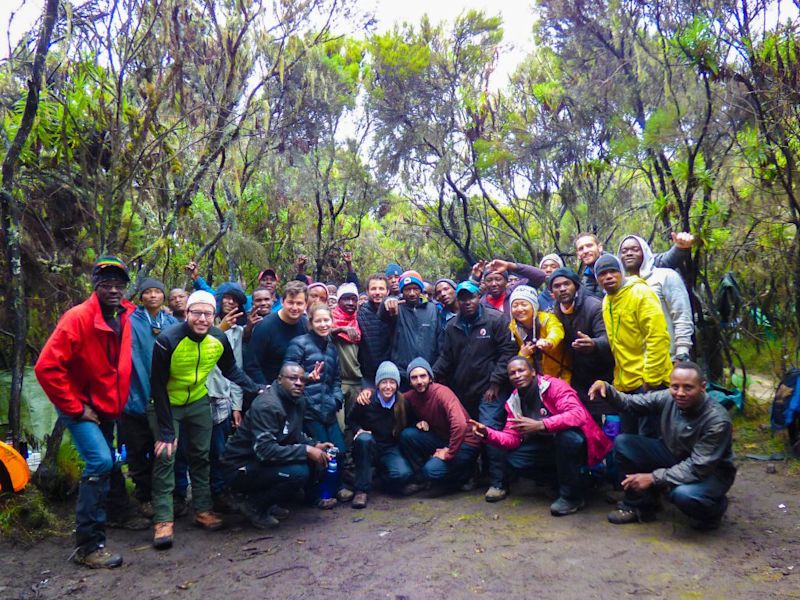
x,y
455,547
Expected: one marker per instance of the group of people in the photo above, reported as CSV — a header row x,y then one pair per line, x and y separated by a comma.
x,y
517,371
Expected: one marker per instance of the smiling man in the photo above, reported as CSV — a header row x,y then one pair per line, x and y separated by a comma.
x,y
692,464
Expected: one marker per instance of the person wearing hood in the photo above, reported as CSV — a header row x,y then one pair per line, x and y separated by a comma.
x,y
637,333
589,248
638,259
268,278
147,322
548,264
538,334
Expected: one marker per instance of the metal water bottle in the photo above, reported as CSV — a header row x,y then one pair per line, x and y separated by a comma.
x,y
330,483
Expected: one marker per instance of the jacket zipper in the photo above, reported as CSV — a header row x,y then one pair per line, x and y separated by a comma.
x,y
196,371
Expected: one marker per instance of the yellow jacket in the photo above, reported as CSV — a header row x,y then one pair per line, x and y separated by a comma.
x,y
637,332
554,362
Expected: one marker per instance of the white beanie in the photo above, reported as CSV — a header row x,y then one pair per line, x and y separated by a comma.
x,y
201,297
525,292
555,258
347,289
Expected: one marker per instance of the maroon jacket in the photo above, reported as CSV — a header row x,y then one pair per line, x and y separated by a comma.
x,y
445,415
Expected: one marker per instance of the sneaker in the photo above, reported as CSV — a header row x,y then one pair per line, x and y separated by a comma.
x,y
208,520
360,500
410,489
326,503
98,559
223,503
630,514
495,494
162,535
565,506
344,495
279,512
129,522
180,507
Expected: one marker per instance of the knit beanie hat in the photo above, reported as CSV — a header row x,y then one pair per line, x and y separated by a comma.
x,y
201,297
393,269
563,272
149,283
487,273
449,282
347,289
387,370
554,257
417,363
607,262
108,268
525,292
411,279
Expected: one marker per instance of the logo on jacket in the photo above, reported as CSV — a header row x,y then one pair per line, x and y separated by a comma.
x,y
286,428
482,332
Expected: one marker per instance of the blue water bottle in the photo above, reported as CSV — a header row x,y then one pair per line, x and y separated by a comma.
x,y
612,427
330,483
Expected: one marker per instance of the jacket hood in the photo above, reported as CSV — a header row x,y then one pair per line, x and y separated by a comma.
x,y
648,258
232,289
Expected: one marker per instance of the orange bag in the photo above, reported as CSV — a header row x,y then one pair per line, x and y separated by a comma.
x,y
16,467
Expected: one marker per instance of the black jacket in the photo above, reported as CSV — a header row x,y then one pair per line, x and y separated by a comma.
x,y
475,355
271,431
376,340
323,397
376,419
416,333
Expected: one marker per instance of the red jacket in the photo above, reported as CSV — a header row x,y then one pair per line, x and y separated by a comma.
x,y
84,362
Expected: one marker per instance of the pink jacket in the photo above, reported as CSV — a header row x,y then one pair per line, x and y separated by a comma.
x,y
566,410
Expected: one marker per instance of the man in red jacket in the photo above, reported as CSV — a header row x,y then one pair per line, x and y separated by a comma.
x,y
85,370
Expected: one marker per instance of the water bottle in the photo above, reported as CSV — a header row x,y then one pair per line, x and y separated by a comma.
x,y
330,483
612,427
121,455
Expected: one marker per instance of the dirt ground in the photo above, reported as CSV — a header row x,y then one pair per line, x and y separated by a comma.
x,y
453,547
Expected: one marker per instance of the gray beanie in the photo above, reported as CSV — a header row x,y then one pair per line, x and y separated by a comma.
x,y
419,362
607,262
387,370
148,283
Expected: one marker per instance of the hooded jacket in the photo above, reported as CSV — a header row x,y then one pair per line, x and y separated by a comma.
x,y
142,341
637,333
85,362
324,397
552,361
668,286
566,411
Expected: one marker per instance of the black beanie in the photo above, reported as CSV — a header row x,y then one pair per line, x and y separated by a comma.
x,y
148,283
563,272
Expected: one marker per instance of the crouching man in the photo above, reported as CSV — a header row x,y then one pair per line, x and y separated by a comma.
x,y
693,462
269,458
549,434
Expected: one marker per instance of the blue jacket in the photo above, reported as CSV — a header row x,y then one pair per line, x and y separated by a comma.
x,y
142,340
324,397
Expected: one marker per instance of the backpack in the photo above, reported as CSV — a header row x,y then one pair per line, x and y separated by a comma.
x,y
785,412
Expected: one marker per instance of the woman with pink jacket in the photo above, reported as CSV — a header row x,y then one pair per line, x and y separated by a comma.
x,y
549,434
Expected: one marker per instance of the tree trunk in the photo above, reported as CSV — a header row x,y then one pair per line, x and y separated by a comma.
x,y
12,207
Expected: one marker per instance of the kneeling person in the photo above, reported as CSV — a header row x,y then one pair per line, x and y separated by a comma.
x,y
693,461
269,457
378,426
549,434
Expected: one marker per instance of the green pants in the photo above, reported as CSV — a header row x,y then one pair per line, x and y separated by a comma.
x,y
350,391
194,423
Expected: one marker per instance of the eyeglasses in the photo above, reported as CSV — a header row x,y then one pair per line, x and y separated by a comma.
x,y
201,314
108,287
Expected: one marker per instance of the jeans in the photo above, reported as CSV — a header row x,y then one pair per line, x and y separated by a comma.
x,y
219,437
266,484
418,447
556,459
135,433
319,432
394,469
193,422
493,414
702,500
95,444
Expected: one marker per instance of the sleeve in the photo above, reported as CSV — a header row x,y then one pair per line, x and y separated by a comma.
x,y
354,418
230,370
680,311
507,350
159,376
707,453
256,348
569,412
295,353
599,334
534,275
444,365
52,368
674,258
639,404
508,439
202,284
338,394
384,315
264,424
351,277
552,329
654,325
458,424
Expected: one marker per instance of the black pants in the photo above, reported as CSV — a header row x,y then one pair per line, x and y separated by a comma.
x,y
135,433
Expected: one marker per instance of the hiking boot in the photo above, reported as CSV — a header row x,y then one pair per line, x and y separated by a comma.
x,y
279,512
98,559
410,489
565,506
146,509
326,503
630,514
264,521
468,485
162,535
208,520
129,522
344,495
495,494
360,500
223,503
180,508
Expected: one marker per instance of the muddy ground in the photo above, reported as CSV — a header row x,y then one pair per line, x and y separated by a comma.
x,y
452,547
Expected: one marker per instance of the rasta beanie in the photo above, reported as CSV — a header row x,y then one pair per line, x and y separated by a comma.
x,y
563,272
200,297
607,262
416,364
527,293
393,269
555,258
449,282
387,370
411,280
149,283
109,268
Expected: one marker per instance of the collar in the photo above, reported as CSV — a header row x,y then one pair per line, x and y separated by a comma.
x,y
389,403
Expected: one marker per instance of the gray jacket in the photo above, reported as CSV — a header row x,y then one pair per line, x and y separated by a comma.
x,y
701,440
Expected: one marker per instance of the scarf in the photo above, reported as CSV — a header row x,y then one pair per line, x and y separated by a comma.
x,y
342,319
